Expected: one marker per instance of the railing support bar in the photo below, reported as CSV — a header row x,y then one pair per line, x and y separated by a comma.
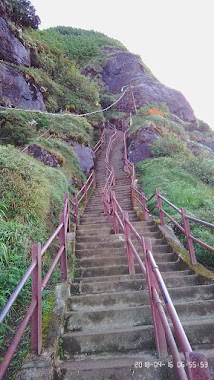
x,y
160,207
127,234
143,199
114,209
160,336
63,243
188,237
36,319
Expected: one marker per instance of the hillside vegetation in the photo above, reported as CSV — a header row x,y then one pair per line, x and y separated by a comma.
x,y
66,66
59,56
183,177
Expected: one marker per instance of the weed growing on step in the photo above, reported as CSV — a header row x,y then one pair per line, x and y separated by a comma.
x,y
60,349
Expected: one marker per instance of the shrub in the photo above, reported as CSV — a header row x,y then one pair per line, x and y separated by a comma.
x,y
184,189
16,134
22,13
168,146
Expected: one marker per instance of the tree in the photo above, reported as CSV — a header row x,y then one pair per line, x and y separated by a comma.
x,y
22,13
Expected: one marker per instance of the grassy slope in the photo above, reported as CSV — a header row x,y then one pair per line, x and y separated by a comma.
x,y
59,55
186,180
32,193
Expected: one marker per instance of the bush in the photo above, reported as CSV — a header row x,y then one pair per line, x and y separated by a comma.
x,y
16,134
168,146
22,13
183,188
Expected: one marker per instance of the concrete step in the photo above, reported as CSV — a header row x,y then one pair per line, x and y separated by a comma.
x,y
137,298
135,366
112,259
109,270
101,252
103,231
104,251
119,340
93,226
96,219
130,338
116,243
107,318
170,279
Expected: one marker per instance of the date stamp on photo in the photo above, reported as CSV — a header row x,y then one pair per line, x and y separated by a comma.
x,y
170,364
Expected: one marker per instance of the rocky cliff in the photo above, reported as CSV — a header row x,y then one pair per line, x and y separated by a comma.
x,y
124,68
121,68
15,88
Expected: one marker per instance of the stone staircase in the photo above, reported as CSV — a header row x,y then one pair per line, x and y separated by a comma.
x,y
108,331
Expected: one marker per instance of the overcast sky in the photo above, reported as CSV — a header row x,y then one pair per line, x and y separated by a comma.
x,y
174,38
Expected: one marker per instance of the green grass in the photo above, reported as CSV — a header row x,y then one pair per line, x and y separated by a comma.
x,y
182,185
32,124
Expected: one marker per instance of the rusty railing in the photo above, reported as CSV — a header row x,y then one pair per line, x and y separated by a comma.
x,y
139,199
34,271
165,341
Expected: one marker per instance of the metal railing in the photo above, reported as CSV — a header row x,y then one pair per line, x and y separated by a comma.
x,y
164,338
140,200
34,271
110,181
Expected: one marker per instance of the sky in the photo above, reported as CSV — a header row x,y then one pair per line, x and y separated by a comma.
x,y
174,38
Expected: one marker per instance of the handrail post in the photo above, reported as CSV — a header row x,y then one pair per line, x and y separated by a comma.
x,y
146,215
94,179
62,238
188,238
76,208
114,179
104,202
160,207
36,319
133,192
160,336
127,234
66,199
86,193
114,209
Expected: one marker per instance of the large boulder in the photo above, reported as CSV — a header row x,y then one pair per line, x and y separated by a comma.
x,y
16,90
124,68
85,157
44,155
139,144
11,48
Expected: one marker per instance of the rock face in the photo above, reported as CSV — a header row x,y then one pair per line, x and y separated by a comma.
x,y
2,9
124,68
139,146
11,49
85,157
16,90
43,155
208,144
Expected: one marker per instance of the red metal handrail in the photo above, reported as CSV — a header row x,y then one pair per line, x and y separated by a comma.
x,y
163,333
140,199
34,311
110,177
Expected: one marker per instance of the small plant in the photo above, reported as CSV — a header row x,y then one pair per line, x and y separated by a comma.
x,y
60,349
